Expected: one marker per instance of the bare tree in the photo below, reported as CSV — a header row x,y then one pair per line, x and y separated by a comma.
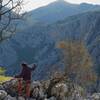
x,y
9,12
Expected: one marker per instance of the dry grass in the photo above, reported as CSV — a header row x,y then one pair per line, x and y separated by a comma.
x,y
4,78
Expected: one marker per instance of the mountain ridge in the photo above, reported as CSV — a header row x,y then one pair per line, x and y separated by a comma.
x,y
37,43
59,10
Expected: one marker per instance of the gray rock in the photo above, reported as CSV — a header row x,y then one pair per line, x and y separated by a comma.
x,y
52,98
37,90
3,94
96,96
10,98
60,90
21,98
77,93
1,87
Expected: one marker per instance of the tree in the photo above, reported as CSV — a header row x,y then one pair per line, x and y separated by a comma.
x,y
78,62
2,71
9,12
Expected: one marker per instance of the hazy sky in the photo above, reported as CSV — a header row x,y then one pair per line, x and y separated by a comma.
x,y
33,4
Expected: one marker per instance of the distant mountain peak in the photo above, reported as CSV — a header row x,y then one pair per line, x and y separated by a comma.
x,y
62,1
60,9
86,4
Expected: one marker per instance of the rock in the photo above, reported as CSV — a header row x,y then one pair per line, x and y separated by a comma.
x,y
60,90
52,98
63,90
96,96
35,84
10,98
37,90
77,93
21,98
76,96
13,81
1,87
32,99
3,94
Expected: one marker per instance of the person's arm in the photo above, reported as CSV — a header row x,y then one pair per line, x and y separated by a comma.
x,y
34,67
17,76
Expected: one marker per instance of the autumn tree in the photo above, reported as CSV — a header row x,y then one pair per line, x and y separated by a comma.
x,y
78,62
9,12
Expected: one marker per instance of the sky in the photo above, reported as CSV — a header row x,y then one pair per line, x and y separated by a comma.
x,y
33,4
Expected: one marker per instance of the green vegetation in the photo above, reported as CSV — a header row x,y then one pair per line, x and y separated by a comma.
x,y
3,78
2,71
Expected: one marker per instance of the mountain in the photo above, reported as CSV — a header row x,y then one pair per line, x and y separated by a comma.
x,y
37,43
31,46
85,26
53,12
58,10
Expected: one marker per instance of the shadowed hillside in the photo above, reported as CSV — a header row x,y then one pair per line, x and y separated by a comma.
x,y
38,44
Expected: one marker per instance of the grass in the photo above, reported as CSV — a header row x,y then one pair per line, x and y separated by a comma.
x,y
4,78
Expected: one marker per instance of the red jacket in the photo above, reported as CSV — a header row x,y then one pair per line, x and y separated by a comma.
x,y
26,72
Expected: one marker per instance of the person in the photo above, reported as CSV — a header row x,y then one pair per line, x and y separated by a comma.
x,y
25,75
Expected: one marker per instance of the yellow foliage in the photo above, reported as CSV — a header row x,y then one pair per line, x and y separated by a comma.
x,y
77,61
62,45
4,78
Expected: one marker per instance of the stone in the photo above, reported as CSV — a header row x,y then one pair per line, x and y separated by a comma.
x,y
37,90
21,98
10,98
1,87
96,96
52,98
3,94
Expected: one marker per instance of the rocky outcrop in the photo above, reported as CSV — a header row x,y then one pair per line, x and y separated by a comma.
x,y
62,90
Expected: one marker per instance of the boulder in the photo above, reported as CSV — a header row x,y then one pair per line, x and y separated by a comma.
x,y
37,90
3,94
10,98
59,91
96,96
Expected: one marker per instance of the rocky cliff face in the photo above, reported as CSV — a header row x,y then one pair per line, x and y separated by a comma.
x,y
83,26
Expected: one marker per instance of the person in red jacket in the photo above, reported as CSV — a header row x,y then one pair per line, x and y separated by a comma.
x,y
25,75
